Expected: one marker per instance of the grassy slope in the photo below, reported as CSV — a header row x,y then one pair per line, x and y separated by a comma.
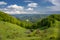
x,y
10,31
53,31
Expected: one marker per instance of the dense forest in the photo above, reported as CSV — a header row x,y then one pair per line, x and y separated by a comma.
x,y
12,28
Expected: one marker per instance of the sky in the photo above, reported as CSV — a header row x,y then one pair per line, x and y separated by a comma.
x,y
30,6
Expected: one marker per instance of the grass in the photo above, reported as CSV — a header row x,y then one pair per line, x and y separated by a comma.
x,y
10,31
53,31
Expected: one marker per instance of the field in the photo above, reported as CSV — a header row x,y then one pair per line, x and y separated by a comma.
x,y
10,31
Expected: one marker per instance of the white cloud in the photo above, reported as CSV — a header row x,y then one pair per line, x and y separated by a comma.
x,y
2,3
16,7
13,9
56,7
28,1
55,2
15,12
32,5
31,9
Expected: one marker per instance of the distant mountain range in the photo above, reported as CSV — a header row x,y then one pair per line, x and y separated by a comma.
x,y
30,17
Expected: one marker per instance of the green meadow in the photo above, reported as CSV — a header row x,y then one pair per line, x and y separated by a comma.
x,y
12,28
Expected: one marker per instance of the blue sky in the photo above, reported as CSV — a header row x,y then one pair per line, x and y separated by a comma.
x,y
30,6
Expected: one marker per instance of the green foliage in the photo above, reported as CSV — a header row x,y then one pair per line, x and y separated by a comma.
x,y
55,16
48,21
9,29
8,18
45,22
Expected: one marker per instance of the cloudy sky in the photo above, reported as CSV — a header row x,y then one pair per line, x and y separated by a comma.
x,y
30,6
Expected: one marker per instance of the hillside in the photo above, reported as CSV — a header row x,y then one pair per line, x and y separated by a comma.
x,y
50,27
8,18
48,21
10,31
52,33
12,28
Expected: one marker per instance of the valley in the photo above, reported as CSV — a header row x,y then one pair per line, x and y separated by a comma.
x,y
46,27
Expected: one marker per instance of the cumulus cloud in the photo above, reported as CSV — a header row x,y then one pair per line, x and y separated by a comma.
x,y
12,11
31,9
32,5
2,3
15,9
